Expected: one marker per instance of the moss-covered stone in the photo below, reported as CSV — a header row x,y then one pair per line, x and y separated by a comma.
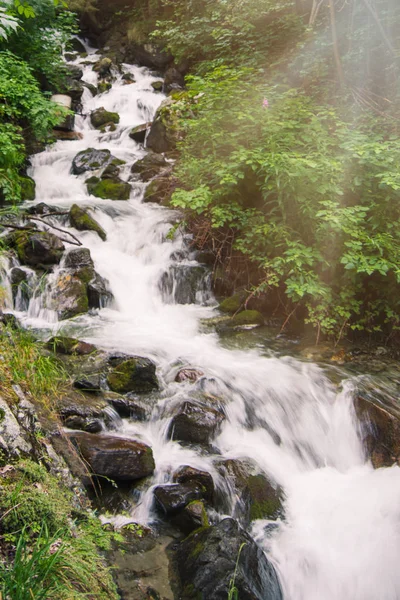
x,y
135,374
37,248
157,86
247,317
104,86
159,190
69,296
164,133
233,304
101,117
82,221
109,189
91,159
264,500
28,188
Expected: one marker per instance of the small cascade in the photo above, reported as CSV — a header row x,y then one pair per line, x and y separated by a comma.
x,y
337,533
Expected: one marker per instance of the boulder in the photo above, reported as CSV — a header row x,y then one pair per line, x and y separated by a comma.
x,y
149,166
173,497
196,423
98,292
74,44
103,67
247,317
164,133
191,476
133,374
74,72
114,457
127,407
101,117
69,296
186,374
380,429
88,383
173,80
233,304
148,55
138,134
128,78
82,221
71,136
109,189
191,517
92,88
12,441
83,424
73,88
157,85
91,160
70,346
37,248
28,188
210,558
78,258
104,86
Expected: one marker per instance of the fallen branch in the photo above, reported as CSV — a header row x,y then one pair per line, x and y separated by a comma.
x,y
76,241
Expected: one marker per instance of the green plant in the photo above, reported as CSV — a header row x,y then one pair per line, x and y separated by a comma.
x,y
233,593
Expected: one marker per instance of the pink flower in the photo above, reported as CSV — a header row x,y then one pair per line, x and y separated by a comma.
x,y
265,103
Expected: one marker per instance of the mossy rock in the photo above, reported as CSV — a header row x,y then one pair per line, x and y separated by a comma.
x,y
233,304
136,374
109,189
104,86
101,117
70,346
69,296
157,86
247,317
138,133
37,247
28,188
159,190
82,221
263,499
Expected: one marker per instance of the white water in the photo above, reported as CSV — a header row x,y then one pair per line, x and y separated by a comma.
x,y
340,539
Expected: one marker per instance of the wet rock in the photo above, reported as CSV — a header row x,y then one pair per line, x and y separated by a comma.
x,y
82,221
98,292
192,476
233,304
109,189
196,423
83,424
19,282
101,117
380,429
40,209
173,80
103,87
244,319
70,56
208,559
157,86
87,406
92,88
183,283
88,383
171,498
138,134
149,166
75,45
127,407
37,248
74,89
148,55
74,72
186,374
103,67
10,320
28,188
77,258
91,160
164,132
67,135
70,346
115,457
192,517
134,374
128,78
69,296
159,190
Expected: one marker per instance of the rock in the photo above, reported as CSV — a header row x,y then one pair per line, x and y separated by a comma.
x,y
83,424
211,557
70,346
171,498
115,457
233,304
67,135
109,189
76,45
91,160
70,56
183,283
128,78
101,116
380,429
69,296
173,80
28,188
192,517
104,86
10,320
37,247
192,476
138,134
149,166
88,383
196,423
159,190
133,374
41,209
77,258
148,55
103,67
164,132
127,408
12,442
247,317
74,72
74,89
186,374
157,86
22,286
98,292
92,88
82,221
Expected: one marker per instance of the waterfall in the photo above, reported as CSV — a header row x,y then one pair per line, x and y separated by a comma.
x,y
338,538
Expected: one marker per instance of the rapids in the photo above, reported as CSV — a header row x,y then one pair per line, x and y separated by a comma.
x,y
340,536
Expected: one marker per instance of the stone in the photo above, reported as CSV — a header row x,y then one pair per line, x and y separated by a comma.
x,y
233,304
74,89
67,135
103,67
92,88
173,80
12,441
186,374
128,78
211,557
195,423
88,383
164,133
40,209
149,166
91,160
101,116
171,498
148,55
192,517
82,221
104,86
77,258
157,86
99,295
28,188
70,346
127,408
133,374
70,56
192,476
247,317
109,189
159,191
69,296
10,320
138,134
74,72
380,429
74,44
115,457
83,424
37,248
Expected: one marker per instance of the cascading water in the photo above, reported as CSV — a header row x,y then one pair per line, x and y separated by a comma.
x,y
340,536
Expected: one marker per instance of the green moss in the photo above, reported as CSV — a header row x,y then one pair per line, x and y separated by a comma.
x,y
28,188
82,221
265,501
85,274
109,189
248,317
104,86
101,117
200,503
233,304
120,380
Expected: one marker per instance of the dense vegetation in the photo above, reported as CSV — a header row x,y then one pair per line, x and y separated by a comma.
x,y
290,160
